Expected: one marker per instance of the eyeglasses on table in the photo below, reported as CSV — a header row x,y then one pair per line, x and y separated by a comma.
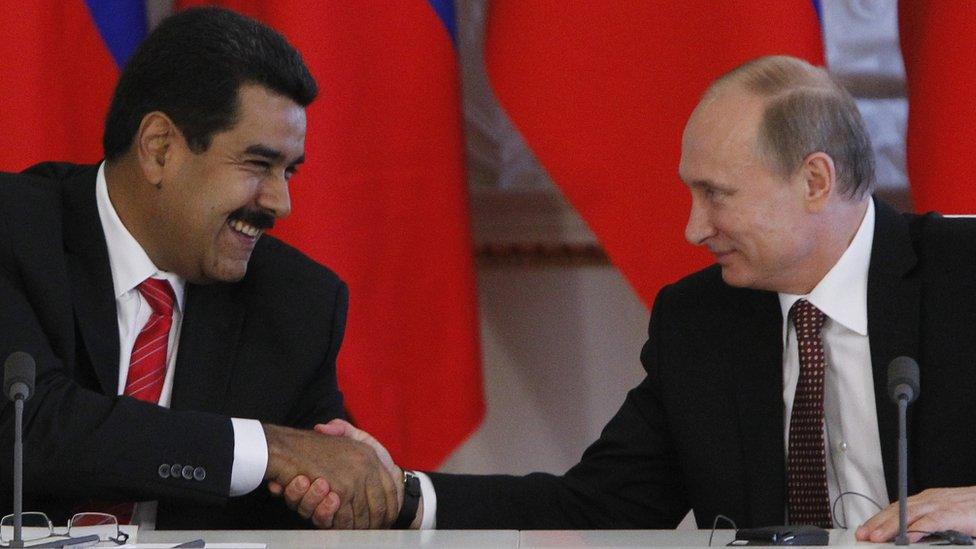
x,y
37,526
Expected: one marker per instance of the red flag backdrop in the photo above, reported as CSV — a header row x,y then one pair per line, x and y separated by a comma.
x,y
56,81
601,92
937,45
382,200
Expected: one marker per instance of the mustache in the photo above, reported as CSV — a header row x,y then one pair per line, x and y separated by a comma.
x,y
256,218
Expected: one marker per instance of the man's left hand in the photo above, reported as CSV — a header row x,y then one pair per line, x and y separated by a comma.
x,y
929,511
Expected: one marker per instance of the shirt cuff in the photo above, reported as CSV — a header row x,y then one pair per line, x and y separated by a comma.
x,y
429,522
250,456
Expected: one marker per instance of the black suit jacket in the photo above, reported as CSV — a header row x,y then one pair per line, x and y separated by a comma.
x,y
261,348
704,430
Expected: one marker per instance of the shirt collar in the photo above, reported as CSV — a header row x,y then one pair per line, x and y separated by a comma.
x,y
842,294
129,263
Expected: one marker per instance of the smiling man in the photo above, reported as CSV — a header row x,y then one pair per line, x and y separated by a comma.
x,y
765,395
205,222
180,351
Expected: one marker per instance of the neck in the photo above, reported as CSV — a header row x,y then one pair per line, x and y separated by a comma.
x,y
124,181
833,233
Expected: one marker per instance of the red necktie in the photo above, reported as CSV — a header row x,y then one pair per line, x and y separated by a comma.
x,y
147,366
809,500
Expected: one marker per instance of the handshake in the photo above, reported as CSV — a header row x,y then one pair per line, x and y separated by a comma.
x,y
337,476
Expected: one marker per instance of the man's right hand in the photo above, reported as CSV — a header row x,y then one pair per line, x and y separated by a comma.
x,y
319,506
352,470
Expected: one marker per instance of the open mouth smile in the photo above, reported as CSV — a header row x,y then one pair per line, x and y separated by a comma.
x,y
244,228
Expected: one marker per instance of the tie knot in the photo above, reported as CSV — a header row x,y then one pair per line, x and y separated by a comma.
x,y
806,316
159,294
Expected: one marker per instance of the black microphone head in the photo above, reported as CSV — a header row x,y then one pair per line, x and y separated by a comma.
x,y
903,379
18,369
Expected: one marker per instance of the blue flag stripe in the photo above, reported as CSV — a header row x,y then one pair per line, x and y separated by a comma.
x,y
121,24
445,11
817,7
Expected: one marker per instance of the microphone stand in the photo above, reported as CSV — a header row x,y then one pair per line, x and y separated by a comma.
x,y
18,385
902,537
18,540
903,390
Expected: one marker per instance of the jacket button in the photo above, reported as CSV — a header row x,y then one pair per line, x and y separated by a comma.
x,y
174,470
199,473
164,470
188,472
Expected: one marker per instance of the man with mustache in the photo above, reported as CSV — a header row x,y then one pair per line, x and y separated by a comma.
x,y
765,397
182,356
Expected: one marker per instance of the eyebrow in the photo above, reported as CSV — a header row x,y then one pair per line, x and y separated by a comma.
x,y
706,183
271,154
695,182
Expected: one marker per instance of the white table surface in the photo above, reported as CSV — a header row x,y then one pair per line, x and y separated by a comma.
x,y
650,538
369,538
472,538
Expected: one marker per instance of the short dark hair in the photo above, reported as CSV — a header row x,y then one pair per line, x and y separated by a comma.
x,y
192,67
806,111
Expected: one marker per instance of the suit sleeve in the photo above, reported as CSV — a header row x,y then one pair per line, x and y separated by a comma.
x,y
79,443
628,478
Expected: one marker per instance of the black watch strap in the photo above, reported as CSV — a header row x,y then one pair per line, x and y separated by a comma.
x,y
411,501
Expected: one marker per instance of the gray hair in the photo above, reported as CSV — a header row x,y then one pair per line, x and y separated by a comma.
x,y
806,111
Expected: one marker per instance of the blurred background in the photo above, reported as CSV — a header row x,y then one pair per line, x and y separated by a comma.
x,y
496,179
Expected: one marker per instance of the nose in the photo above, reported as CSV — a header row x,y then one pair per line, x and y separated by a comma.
x,y
699,227
274,196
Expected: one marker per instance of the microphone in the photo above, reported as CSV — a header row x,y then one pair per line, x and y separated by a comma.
x,y
903,390
18,376
18,385
903,379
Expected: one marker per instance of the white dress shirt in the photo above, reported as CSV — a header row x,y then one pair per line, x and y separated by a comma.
x,y
850,418
130,266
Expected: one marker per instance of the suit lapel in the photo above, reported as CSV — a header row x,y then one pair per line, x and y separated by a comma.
x,y
208,344
90,275
893,322
758,366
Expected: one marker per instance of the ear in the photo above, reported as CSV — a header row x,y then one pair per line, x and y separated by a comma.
x,y
155,143
819,179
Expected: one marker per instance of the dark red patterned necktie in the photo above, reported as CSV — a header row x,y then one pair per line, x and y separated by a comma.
x,y
809,500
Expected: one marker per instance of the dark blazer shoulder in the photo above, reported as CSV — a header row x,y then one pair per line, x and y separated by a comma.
x,y
935,234
31,219
703,297
40,191
23,194
277,264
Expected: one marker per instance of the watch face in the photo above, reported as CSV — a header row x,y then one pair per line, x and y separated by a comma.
x,y
411,483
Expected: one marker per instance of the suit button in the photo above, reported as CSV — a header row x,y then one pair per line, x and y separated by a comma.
x,y
164,470
188,472
199,473
174,470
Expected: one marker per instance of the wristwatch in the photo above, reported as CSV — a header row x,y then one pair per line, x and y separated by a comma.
x,y
411,501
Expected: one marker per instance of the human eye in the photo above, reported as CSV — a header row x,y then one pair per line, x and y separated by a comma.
x,y
716,194
259,164
712,194
290,172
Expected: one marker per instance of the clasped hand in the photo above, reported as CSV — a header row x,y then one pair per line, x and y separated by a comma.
x,y
355,486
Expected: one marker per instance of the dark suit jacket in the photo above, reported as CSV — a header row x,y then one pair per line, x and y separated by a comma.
x,y
262,348
704,430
